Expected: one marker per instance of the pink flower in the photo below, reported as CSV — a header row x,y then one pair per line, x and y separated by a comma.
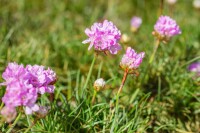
x,y
41,79
131,60
195,67
8,113
104,37
24,84
135,23
165,28
13,72
30,109
18,91
20,94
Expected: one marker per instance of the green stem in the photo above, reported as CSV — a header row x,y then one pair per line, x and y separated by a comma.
x,y
89,73
93,97
154,52
117,99
15,122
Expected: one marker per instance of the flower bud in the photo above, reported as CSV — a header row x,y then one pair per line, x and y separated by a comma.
x,y
42,112
99,84
125,38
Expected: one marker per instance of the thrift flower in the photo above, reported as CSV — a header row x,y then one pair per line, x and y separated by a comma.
x,y
195,67
24,83
135,23
18,91
99,84
131,60
41,79
104,37
165,28
8,113
196,4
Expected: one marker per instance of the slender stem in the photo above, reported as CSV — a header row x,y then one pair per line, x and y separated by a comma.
x,y
15,122
89,73
93,97
161,7
154,51
120,88
123,82
117,97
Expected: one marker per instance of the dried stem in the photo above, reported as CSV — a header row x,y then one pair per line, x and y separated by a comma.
x,y
161,7
123,81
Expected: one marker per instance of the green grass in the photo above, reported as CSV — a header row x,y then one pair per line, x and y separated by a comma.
x,y
48,32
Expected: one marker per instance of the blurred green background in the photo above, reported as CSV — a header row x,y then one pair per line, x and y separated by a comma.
x,y
50,33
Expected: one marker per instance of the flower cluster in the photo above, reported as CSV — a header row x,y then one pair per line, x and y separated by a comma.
x,y
24,83
165,28
104,37
135,23
131,60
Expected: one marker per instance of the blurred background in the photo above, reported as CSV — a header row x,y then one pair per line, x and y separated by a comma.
x,y
50,33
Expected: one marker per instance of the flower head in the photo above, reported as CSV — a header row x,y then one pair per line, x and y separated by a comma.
x,y
165,28
135,23
8,113
104,37
41,79
24,84
195,67
99,84
131,60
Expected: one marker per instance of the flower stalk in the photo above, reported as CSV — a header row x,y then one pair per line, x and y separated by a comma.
x,y
154,51
89,73
123,81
